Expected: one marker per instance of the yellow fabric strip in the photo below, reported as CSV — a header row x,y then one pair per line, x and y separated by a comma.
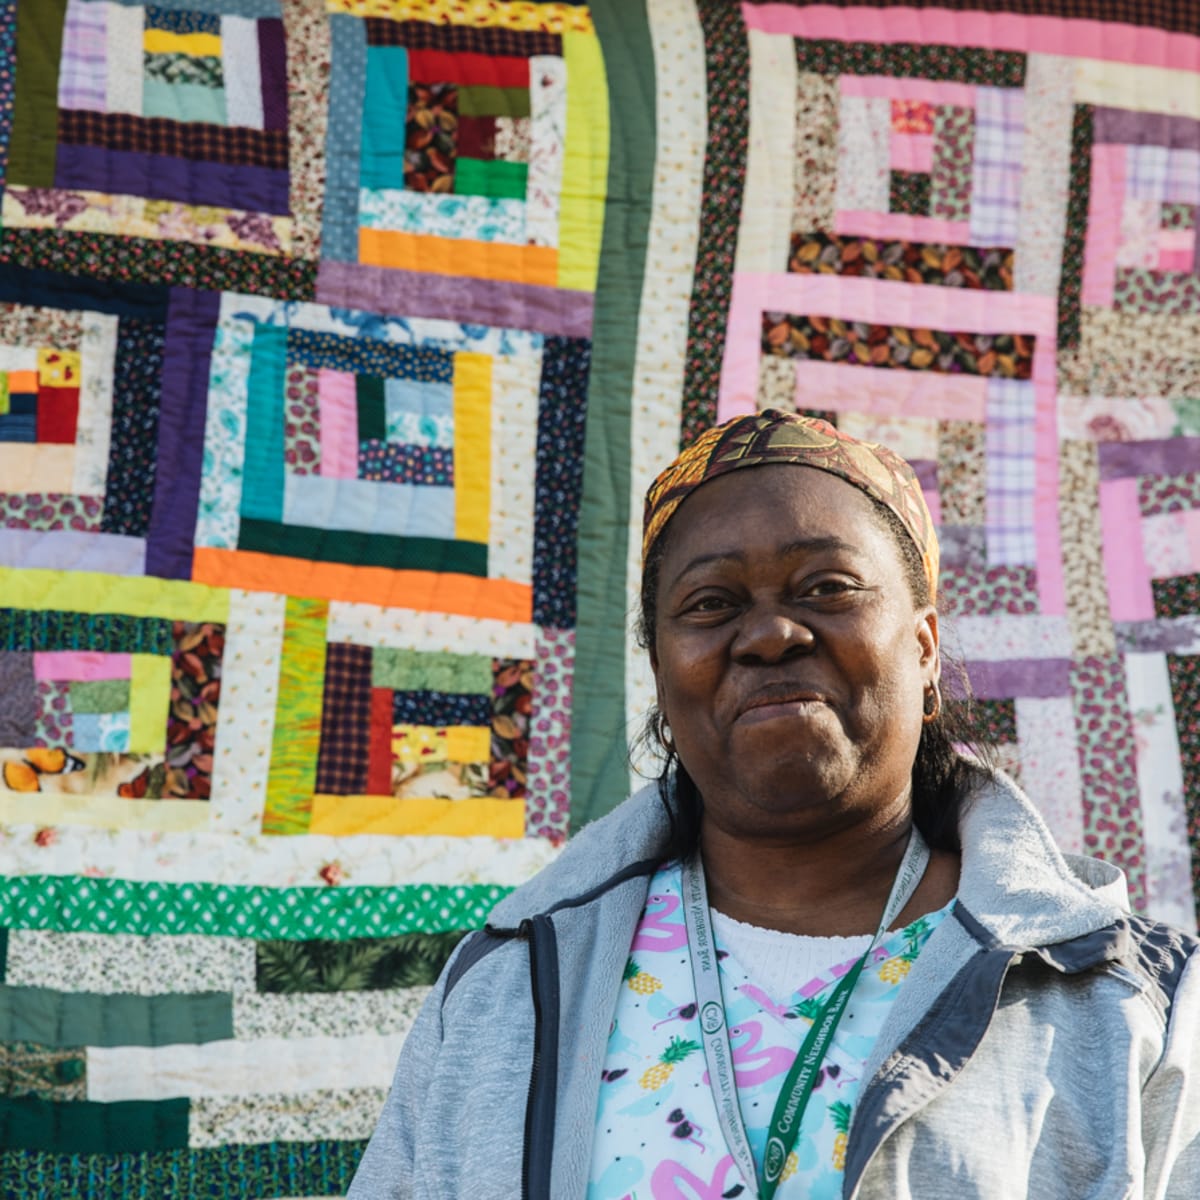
x,y
296,739
585,164
196,45
149,699
472,446
59,368
415,744
90,592
1143,89
516,14
341,816
103,812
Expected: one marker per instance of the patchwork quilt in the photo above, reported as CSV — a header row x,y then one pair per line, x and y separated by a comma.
x,y
339,340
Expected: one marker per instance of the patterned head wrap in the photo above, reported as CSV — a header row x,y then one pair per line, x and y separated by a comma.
x,y
773,436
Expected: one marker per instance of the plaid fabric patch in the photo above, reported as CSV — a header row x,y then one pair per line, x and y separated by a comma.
x,y
1171,176
345,721
1010,472
236,145
462,39
996,169
81,69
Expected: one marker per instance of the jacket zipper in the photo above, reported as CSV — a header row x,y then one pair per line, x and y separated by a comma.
x,y
543,1071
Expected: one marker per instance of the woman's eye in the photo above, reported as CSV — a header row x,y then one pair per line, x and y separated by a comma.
x,y
830,587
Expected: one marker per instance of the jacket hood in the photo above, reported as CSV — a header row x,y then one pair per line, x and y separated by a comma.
x,y
1016,883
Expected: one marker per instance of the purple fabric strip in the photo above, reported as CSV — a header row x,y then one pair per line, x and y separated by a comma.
x,y
272,66
926,472
1004,680
191,322
1120,126
1171,635
1164,456
159,177
18,700
67,550
963,545
455,298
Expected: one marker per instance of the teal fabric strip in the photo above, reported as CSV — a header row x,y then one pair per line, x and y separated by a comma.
x,y
88,1127
50,1018
384,126
82,904
109,633
372,408
343,140
262,482
599,758
183,102
256,1172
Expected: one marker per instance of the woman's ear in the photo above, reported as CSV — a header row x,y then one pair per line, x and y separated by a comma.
x,y
929,642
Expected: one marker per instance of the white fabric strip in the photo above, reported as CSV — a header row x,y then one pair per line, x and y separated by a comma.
x,y
1006,636
666,296
123,53
345,1114
243,76
1049,757
94,427
368,860
515,383
232,1068
406,629
332,1014
548,139
249,694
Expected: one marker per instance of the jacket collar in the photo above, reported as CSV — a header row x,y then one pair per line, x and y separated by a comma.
x,y
1017,886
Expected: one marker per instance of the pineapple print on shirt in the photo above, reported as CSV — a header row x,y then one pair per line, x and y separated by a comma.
x,y
657,1126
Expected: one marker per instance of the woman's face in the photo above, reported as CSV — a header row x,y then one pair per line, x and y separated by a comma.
x,y
789,658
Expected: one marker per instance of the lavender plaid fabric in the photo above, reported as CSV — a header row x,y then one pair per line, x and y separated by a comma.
x,y
1010,472
345,721
996,170
81,67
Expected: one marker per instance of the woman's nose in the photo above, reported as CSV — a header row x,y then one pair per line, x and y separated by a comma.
x,y
769,635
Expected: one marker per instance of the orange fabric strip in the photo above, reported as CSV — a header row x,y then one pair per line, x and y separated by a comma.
x,y
425,591
454,256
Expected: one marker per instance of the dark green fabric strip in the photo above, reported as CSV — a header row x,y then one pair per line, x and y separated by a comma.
x,y
3,952
88,1127
111,633
50,1018
372,408
256,1172
363,549
493,102
481,177
34,139
599,759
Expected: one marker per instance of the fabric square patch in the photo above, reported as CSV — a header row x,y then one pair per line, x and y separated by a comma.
x,y
431,127
909,192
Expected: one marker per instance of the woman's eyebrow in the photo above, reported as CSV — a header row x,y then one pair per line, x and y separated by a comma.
x,y
813,545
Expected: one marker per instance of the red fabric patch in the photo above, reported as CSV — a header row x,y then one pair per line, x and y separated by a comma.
x,y
467,70
379,755
477,137
57,414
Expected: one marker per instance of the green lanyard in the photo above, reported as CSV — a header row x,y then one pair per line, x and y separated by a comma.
x,y
802,1077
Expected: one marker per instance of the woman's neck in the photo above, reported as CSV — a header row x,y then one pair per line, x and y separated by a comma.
x,y
833,887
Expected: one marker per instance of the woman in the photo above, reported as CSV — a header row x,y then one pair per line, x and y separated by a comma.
x,y
826,955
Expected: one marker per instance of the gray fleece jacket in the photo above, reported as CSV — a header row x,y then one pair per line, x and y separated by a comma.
x,y
1045,1043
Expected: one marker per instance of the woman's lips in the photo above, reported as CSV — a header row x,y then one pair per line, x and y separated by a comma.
x,y
771,708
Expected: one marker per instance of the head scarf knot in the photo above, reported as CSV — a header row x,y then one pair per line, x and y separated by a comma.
x,y
773,436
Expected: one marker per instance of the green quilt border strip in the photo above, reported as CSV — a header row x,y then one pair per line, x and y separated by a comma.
x,y
82,904
34,139
92,1127
599,759
260,1171
65,1019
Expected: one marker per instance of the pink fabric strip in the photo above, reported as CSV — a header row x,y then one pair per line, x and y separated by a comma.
x,y
1051,586
1105,40
901,227
1125,569
934,501
886,87
1105,200
912,152
1175,260
79,666
884,392
339,424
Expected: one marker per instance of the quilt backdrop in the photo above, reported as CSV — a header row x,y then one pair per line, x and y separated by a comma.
x,y
338,342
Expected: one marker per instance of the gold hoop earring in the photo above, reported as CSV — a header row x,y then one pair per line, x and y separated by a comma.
x,y
931,704
664,735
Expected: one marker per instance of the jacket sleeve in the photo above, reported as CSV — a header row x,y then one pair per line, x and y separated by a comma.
x,y
1171,1098
387,1168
